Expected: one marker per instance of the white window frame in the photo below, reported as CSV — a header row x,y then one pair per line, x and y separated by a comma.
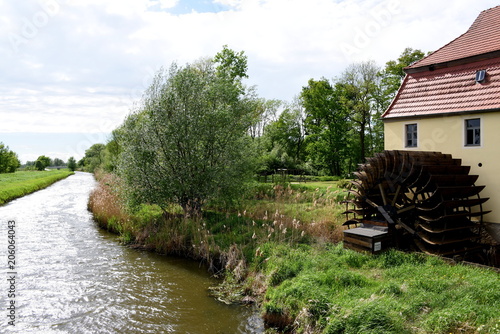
x,y
405,134
481,130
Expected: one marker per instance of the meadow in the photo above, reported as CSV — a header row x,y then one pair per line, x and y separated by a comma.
x,y
21,183
280,246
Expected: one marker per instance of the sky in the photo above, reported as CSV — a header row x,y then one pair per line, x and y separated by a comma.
x,y
71,70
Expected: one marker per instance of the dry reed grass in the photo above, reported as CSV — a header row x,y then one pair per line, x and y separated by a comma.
x,y
317,213
105,204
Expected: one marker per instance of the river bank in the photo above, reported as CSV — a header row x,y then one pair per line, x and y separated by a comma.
x,y
279,248
21,183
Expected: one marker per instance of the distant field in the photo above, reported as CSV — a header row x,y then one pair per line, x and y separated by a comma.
x,y
318,184
18,184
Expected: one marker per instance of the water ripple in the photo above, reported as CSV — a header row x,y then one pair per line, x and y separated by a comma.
x,y
75,278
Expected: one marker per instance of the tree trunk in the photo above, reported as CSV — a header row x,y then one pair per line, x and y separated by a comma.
x,y
362,142
191,208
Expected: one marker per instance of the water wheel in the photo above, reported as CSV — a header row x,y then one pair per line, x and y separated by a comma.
x,y
425,200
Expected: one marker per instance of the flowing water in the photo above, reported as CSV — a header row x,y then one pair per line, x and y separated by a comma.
x,y
72,277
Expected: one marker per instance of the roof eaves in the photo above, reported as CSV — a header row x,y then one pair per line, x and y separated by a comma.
x,y
457,62
401,87
433,115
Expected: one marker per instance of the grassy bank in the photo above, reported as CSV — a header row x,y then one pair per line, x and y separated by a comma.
x,y
21,183
278,246
327,289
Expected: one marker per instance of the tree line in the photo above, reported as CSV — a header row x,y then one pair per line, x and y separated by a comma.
x,y
333,124
9,161
199,132
43,162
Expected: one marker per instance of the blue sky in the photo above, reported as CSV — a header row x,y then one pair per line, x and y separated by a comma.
x,y
71,70
189,6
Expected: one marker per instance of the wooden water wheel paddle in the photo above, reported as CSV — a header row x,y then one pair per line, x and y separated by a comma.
x,y
423,200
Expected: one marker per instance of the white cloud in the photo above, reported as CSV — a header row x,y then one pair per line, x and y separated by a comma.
x,y
74,65
165,4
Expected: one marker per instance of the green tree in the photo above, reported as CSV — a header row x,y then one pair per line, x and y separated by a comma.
x,y
111,154
9,161
266,112
231,66
58,162
290,132
325,124
283,139
359,84
93,157
393,74
72,164
187,142
14,162
42,162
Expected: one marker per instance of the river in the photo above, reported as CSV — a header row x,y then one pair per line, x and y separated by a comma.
x,y
72,277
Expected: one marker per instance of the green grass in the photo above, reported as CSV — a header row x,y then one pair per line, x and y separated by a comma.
x,y
333,290
322,185
21,183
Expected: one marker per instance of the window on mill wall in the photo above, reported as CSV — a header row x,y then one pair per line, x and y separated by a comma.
x,y
473,132
411,135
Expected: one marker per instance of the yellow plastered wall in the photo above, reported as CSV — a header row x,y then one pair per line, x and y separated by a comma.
x,y
447,135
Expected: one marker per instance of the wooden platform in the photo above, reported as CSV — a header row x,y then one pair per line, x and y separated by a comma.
x,y
366,239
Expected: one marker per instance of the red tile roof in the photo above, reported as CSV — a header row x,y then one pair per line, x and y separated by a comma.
x,y
448,90
451,87
482,37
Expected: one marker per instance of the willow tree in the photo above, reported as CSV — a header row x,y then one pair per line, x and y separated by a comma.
x,y
186,141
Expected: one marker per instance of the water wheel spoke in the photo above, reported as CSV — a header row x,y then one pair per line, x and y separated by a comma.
x,y
382,193
373,204
396,195
405,209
